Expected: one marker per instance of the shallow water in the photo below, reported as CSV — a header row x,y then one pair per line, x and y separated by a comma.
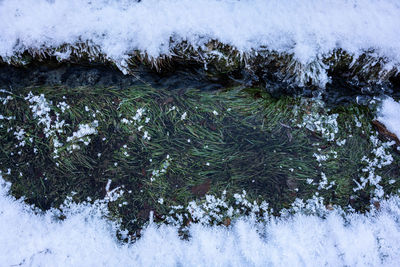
x,y
74,75
340,91
251,150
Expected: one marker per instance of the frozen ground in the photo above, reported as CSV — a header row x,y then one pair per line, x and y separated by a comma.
x,y
307,29
84,238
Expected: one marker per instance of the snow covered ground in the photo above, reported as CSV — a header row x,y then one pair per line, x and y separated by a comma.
x,y
85,239
307,29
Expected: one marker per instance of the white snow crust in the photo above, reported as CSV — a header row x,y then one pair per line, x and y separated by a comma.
x,y
305,28
86,239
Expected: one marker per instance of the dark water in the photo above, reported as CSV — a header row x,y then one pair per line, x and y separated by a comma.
x,y
338,92
73,75
246,147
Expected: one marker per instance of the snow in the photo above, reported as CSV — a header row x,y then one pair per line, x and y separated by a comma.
x,y
83,133
85,238
389,115
308,29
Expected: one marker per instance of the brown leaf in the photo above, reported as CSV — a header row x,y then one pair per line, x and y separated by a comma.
x,y
377,205
227,222
201,189
385,132
329,206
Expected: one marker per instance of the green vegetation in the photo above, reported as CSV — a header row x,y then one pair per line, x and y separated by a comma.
x,y
166,148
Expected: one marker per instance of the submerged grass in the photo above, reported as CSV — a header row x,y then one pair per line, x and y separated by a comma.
x,y
166,148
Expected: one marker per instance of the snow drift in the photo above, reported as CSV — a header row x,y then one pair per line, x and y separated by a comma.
x,y
86,238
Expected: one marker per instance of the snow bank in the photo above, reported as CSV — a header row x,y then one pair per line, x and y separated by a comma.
x,y
307,29
85,239
389,115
